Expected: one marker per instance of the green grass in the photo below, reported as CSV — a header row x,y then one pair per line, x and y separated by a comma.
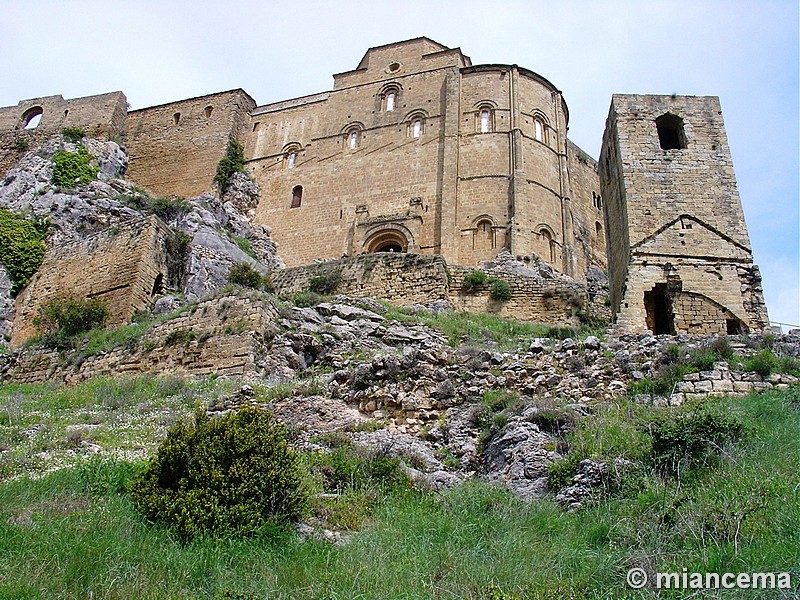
x,y
43,426
466,328
73,533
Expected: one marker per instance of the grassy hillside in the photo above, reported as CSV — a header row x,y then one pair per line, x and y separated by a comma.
x,y
69,530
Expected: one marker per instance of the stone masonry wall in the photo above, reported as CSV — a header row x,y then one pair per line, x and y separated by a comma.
x,y
174,148
215,337
406,279
681,210
123,266
100,116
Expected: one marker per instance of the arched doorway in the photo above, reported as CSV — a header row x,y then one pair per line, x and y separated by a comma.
x,y
387,240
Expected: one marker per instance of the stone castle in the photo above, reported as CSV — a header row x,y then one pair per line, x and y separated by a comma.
x,y
419,151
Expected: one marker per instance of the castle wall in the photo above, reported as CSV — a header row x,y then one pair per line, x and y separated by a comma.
x,y
122,266
587,208
174,148
405,279
215,337
673,190
100,116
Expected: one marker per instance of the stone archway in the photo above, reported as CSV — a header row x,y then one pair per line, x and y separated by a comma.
x,y
387,240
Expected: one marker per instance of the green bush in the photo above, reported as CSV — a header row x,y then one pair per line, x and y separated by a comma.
x,y
305,299
764,363
230,475
689,439
21,145
326,281
232,162
72,168
245,275
473,281
21,248
65,317
73,134
167,209
500,290
561,472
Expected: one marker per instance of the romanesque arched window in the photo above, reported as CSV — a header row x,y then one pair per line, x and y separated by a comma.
x,y
483,236
540,126
415,124
290,154
549,244
484,117
353,136
671,135
389,97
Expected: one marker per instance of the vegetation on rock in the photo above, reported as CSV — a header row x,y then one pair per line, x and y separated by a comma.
x,y
245,275
73,168
232,162
21,247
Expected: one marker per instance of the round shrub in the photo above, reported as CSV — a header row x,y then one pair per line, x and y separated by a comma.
x,y
473,281
500,290
245,275
229,475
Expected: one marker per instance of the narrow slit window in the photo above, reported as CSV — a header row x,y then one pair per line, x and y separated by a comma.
x,y
538,130
176,118
208,111
485,120
297,196
291,160
390,98
353,140
417,128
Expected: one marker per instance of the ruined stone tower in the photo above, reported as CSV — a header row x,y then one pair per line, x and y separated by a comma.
x,y
679,255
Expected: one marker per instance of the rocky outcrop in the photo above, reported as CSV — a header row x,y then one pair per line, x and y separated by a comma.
x,y
218,231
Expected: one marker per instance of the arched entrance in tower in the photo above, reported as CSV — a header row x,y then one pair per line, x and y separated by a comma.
x,y
387,240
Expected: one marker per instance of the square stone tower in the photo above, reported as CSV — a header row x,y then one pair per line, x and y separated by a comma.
x,y
679,256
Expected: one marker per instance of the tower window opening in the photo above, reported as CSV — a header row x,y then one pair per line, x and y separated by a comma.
x,y
297,196
208,110
538,130
353,140
417,128
291,160
598,229
32,117
485,120
390,98
176,118
671,134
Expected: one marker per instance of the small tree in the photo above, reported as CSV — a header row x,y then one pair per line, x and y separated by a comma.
x,y
229,475
232,162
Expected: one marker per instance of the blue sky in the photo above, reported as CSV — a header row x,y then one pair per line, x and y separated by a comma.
x,y
745,52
